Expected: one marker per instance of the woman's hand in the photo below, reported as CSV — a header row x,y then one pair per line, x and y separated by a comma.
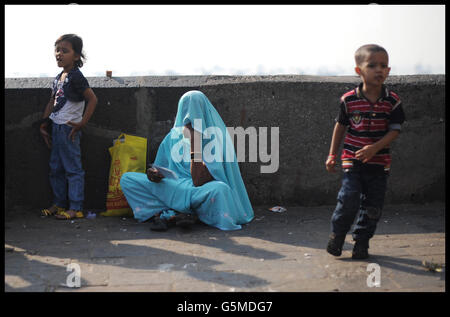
x,y
47,138
154,175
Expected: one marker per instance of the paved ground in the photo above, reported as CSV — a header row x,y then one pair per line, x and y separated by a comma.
x,y
275,252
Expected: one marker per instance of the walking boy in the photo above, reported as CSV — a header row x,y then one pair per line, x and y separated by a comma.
x,y
372,116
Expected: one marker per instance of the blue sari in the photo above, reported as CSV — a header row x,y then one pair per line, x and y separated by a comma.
x,y
222,203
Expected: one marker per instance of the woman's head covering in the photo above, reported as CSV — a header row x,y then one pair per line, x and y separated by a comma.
x,y
217,148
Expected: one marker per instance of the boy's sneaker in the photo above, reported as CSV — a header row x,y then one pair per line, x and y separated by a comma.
x,y
360,250
335,244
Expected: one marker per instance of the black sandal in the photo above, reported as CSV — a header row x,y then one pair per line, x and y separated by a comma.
x,y
158,224
185,220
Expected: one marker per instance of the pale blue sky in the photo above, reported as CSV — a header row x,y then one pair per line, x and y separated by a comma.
x,y
145,40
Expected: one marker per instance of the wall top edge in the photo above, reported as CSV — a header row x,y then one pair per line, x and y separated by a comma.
x,y
208,80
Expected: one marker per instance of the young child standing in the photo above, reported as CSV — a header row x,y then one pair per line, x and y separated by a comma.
x,y
371,116
64,112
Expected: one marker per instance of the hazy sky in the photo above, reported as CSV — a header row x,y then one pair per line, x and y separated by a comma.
x,y
140,40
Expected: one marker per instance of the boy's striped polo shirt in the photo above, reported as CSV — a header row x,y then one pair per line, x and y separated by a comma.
x,y
367,123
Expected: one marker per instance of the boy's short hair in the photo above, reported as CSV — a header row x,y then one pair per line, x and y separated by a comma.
x,y
364,50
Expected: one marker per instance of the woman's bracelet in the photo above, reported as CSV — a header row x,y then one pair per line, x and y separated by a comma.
x,y
332,156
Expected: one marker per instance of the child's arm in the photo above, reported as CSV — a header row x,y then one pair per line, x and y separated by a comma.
x,y
43,125
48,107
91,99
336,140
396,120
367,152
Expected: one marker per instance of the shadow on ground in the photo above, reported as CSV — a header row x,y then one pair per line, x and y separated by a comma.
x,y
107,239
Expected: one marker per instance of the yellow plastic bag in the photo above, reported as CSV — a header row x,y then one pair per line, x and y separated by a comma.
x,y
128,154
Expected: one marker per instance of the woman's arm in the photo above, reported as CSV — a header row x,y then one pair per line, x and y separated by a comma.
x,y
199,172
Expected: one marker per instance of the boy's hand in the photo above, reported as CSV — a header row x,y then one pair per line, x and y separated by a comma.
x,y
47,138
331,163
154,175
75,128
366,153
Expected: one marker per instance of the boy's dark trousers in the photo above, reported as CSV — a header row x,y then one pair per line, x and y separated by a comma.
x,y
363,189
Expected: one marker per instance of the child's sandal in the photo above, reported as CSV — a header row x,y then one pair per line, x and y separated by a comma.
x,y
47,212
70,214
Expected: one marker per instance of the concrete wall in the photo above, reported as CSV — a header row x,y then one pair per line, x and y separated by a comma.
x,y
303,107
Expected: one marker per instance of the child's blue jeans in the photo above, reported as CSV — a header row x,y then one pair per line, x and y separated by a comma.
x,y
66,172
363,189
